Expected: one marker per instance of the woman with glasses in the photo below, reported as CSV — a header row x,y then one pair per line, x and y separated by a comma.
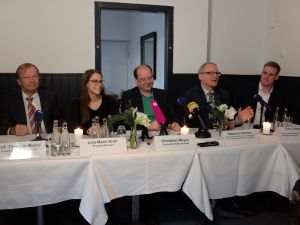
x,y
92,102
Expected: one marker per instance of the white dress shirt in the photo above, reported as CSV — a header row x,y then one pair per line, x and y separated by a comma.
x,y
37,104
265,97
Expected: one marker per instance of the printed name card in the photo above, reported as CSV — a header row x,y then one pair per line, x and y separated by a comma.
x,y
289,133
175,142
102,146
237,137
23,150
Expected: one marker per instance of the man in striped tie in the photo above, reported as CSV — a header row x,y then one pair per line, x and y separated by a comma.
x,y
17,110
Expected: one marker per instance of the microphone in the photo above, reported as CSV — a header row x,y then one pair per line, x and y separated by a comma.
x,y
259,99
159,116
38,117
182,102
194,109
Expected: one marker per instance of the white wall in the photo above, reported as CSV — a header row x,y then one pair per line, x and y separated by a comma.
x,y
58,36
237,35
282,42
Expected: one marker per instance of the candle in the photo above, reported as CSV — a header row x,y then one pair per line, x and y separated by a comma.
x,y
266,128
78,135
184,130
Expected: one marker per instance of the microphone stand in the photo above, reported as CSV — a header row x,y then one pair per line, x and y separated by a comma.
x,y
38,129
145,135
202,131
163,129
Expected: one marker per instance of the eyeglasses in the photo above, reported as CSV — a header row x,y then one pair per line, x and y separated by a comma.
x,y
143,80
211,73
97,81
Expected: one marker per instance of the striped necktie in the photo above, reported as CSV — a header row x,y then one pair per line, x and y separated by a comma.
x,y
31,111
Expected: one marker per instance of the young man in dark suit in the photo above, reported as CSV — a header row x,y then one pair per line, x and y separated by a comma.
x,y
271,94
141,96
17,108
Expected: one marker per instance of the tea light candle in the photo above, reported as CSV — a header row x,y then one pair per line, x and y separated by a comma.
x,y
266,127
184,130
78,133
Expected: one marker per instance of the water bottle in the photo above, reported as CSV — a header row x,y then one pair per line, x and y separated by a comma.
x,y
94,133
276,121
65,139
105,129
285,118
56,139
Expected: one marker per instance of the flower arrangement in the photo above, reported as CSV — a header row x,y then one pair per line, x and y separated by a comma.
x,y
222,113
132,118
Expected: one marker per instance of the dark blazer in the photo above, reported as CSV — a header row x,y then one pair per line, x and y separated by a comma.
x,y
108,107
12,110
133,98
196,94
245,97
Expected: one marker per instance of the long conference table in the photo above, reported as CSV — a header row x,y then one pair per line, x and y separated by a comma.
x,y
202,173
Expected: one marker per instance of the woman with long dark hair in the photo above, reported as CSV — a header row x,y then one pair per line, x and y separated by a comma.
x,y
91,103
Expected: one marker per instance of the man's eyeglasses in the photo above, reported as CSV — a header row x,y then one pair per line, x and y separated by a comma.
x,y
211,73
97,81
143,80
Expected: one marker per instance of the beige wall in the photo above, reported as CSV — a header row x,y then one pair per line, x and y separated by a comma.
x,y
58,35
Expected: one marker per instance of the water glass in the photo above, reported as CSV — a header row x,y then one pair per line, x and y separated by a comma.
x,y
121,131
56,141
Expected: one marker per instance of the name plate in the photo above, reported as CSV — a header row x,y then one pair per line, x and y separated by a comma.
x,y
175,142
23,150
289,133
237,137
102,145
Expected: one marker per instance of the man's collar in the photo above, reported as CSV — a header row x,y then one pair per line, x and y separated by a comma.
x,y
145,95
260,89
206,91
24,95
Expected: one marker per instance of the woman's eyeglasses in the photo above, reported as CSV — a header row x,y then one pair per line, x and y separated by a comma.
x,y
97,81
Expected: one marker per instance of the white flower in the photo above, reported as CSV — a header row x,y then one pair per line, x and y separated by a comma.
x,y
142,119
230,113
222,107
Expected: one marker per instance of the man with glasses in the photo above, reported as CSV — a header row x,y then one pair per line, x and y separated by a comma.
x,y
17,110
206,92
141,96
271,94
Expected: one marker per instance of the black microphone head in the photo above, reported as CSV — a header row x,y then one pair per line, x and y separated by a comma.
x,y
181,101
38,115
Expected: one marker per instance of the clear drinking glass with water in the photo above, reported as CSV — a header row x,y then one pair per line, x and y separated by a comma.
x,y
121,131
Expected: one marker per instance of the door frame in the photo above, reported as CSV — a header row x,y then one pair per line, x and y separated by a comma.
x,y
169,16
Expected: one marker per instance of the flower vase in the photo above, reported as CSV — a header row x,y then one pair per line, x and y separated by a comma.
x,y
133,138
221,126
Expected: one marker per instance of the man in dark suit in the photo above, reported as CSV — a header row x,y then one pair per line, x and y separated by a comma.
x,y
15,116
266,89
207,91
141,96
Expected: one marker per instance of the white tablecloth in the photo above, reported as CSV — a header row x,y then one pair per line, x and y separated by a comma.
x,y
228,171
203,173
95,180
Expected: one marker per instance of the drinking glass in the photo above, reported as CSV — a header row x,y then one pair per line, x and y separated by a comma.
x,y
121,131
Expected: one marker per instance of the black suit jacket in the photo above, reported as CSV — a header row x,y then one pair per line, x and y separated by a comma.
x,y
12,110
196,94
133,98
245,97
